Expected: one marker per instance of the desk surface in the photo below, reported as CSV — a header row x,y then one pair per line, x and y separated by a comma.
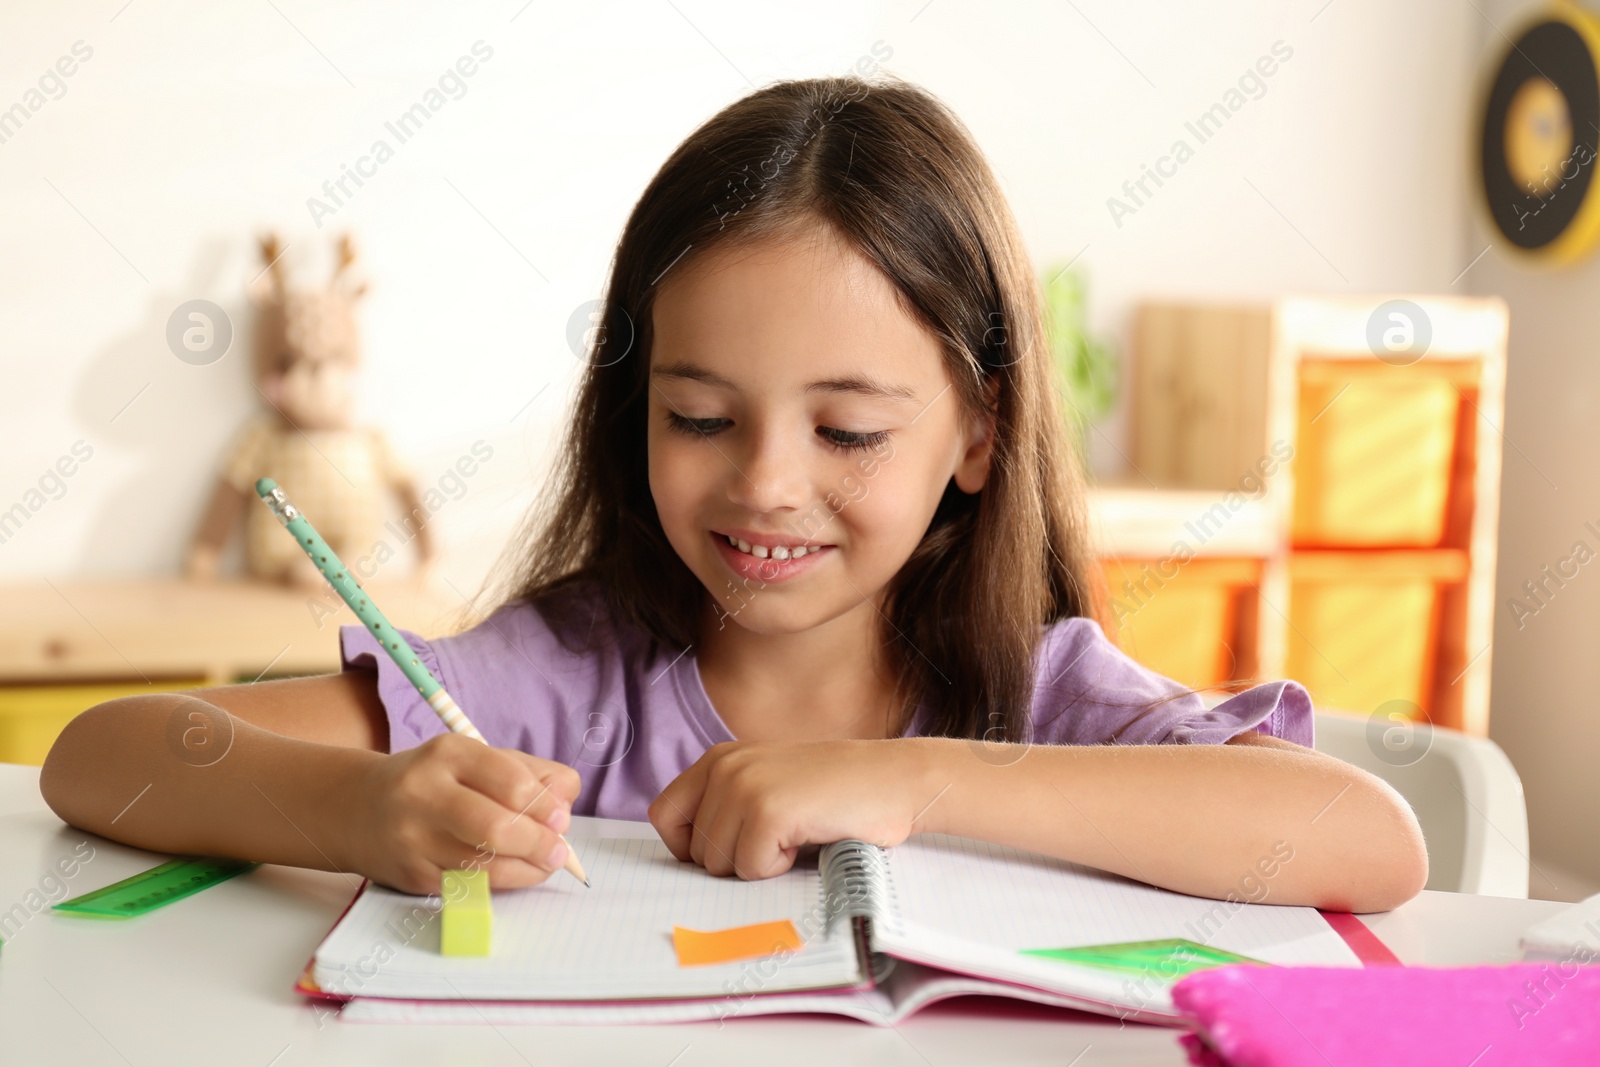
x,y
184,983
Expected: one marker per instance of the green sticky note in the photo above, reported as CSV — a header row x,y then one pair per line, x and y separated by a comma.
x,y
1170,958
465,922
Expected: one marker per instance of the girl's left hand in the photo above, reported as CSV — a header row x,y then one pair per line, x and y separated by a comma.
x,y
747,807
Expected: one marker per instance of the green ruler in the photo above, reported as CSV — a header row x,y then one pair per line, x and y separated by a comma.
x,y
154,888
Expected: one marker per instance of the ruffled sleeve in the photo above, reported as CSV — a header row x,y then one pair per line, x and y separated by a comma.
x,y
411,720
609,706
1090,692
518,683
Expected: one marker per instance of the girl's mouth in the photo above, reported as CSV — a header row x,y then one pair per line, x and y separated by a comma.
x,y
768,562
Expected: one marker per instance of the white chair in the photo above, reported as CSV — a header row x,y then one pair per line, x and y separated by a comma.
x,y
1467,797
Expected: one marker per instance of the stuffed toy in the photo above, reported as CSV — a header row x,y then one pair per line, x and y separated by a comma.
x,y
307,353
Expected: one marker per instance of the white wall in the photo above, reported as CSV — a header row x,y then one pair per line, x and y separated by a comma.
x,y
193,127
1545,698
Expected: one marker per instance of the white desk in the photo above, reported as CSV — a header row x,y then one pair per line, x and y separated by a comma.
x,y
192,983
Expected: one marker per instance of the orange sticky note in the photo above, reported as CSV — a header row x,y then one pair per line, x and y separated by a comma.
x,y
697,947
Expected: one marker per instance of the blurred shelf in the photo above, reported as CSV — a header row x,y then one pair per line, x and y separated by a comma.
x,y
1373,498
1133,523
161,629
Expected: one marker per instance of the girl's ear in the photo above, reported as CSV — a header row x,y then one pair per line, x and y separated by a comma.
x,y
972,471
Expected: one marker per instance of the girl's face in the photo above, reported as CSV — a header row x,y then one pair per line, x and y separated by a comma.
x,y
802,430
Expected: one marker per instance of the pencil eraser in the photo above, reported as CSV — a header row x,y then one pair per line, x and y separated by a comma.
x,y
466,919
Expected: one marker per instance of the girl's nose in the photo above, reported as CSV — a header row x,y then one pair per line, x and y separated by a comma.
x,y
769,472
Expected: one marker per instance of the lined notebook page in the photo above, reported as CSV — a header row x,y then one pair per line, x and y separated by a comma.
x,y
561,941
969,904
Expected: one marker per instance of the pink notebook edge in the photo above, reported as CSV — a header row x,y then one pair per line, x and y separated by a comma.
x,y
306,984
1368,946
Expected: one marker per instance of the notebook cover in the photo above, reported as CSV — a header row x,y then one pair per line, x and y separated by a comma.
x,y
305,983
880,1007
1524,1013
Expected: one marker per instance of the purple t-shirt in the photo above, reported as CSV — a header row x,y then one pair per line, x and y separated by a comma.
x,y
631,716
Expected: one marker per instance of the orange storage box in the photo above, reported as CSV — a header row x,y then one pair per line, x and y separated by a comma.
x,y
1373,464
1364,626
1183,619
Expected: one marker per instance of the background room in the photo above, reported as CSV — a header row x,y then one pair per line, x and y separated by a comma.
x,y
1232,209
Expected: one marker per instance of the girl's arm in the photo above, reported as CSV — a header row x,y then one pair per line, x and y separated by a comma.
x,y
295,772
195,773
1257,819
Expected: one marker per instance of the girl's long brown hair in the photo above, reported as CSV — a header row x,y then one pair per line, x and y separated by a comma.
x,y
891,169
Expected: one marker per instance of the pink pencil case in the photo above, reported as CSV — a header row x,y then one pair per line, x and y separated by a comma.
x,y
1245,1015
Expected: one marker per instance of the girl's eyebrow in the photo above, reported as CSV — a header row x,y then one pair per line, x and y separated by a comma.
x,y
855,383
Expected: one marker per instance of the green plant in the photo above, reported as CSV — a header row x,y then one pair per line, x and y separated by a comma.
x,y
1086,367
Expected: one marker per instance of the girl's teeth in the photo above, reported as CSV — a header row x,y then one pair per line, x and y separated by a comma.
x,y
762,552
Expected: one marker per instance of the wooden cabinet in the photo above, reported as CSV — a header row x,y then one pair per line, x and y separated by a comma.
x,y
1367,431
1182,568
65,646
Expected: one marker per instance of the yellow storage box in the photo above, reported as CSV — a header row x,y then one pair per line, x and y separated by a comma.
x,y
33,716
1364,626
1183,619
1373,464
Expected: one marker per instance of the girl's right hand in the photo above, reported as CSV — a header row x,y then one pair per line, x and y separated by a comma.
x,y
453,802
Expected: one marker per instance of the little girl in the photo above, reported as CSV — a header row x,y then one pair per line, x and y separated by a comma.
x,y
812,566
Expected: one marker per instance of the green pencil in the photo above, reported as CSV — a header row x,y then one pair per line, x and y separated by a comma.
x,y
338,575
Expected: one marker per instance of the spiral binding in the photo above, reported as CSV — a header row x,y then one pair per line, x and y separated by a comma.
x,y
856,884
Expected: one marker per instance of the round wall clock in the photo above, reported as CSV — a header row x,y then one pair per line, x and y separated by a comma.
x,y
1541,135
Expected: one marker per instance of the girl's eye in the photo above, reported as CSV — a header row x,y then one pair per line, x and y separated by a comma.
x,y
694,427
853,442
845,440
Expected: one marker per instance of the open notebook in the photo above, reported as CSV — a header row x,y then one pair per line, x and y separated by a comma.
x,y
883,933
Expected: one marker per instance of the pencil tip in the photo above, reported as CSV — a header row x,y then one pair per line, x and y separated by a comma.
x,y
586,883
